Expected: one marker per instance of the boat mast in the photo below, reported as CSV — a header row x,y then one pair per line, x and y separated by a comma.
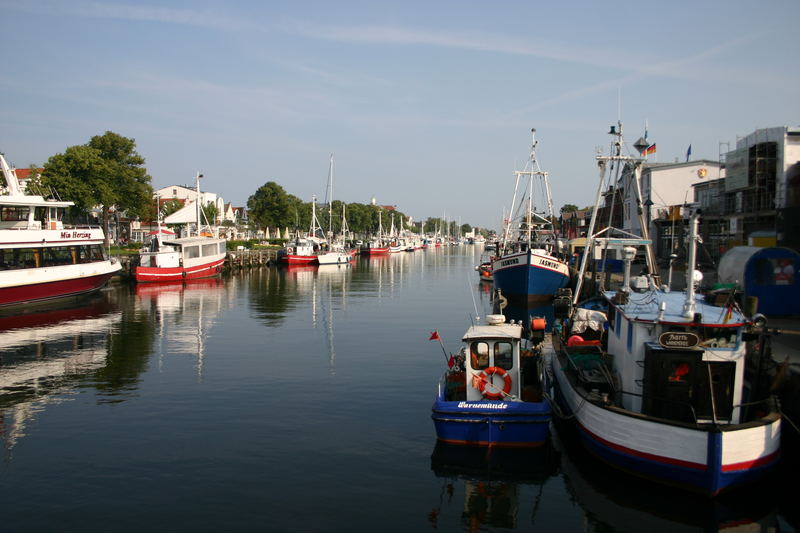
x,y
197,181
602,164
689,305
330,198
535,171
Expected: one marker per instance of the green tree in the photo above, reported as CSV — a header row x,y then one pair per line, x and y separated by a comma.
x,y
269,206
209,213
568,208
170,206
106,172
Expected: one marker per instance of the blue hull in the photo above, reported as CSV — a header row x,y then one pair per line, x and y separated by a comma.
x,y
519,276
710,480
492,423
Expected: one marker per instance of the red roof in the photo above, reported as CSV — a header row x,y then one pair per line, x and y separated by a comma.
x,y
25,173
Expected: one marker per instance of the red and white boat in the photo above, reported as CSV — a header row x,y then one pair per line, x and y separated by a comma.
x,y
168,260
40,257
180,259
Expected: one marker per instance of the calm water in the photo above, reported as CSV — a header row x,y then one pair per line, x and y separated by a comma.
x,y
290,400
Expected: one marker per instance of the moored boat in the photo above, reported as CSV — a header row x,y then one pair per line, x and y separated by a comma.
x,y
40,257
491,393
659,386
525,267
167,259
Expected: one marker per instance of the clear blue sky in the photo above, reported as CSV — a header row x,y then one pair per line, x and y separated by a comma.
x,y
427,105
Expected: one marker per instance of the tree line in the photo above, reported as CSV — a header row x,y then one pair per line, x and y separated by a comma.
x,y
107,173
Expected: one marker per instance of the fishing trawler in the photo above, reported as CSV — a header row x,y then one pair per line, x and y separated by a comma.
x,y
525,267
656,381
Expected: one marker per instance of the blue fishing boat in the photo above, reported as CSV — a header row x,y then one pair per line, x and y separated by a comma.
x,y
528,267
491,394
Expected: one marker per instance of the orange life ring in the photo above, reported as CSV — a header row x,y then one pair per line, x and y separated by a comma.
x,y
484,375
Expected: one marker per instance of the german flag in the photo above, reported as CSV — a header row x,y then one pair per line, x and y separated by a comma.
x,y
650,149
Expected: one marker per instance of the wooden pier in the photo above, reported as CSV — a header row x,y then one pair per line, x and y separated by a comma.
x,y
240,259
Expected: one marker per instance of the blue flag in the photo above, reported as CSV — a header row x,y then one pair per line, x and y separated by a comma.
x,y
688,153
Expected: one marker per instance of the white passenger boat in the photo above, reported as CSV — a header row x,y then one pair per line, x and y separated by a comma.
x,y
42,258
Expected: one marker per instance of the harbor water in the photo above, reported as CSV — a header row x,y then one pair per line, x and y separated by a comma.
x,y
293,399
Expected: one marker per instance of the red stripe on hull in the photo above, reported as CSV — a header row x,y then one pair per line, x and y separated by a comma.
x,y
52,289
375,251
643,455
155,274
761,461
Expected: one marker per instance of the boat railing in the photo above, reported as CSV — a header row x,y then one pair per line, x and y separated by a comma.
x,y
677,403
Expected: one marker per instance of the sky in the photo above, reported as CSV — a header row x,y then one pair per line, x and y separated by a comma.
x,y
426,105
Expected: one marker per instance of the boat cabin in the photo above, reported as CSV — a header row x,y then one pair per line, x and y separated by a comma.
x,y
493,365
181,252
661,363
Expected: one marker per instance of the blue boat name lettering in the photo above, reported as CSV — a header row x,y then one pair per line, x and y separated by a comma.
x,y
465,405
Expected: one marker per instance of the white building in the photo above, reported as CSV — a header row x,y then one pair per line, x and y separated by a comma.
x,y
189,194
665,187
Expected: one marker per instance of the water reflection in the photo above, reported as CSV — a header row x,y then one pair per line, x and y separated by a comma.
x,y
482,489
614,502
45,354
182,314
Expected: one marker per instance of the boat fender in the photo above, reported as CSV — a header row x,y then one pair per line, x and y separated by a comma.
x,y
538,323
574,340
484,375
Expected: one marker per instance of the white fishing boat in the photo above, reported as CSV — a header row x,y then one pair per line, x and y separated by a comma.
x,y
167,259
657,385
42,258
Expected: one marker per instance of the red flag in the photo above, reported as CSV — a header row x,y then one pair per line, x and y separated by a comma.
x,y
451,362
435,336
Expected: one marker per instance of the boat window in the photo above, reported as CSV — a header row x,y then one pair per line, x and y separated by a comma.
x,y
222,247
209,249
190,252
59,255
15,214
97,252
503,355
479,355
718,337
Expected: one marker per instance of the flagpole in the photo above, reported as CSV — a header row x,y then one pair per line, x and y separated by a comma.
x,y
435,336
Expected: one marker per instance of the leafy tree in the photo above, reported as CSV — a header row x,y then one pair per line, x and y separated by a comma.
x,y
269,206
568,208
170,206
106,172
209,212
